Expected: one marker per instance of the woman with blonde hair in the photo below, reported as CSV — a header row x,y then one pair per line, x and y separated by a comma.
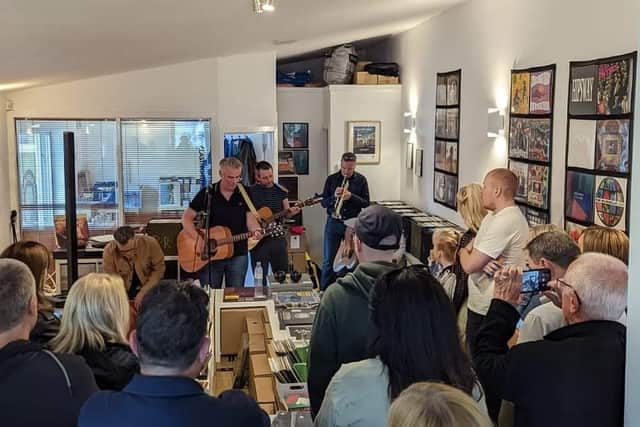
x,y
472,211
95,322
428,404
605,240
38,258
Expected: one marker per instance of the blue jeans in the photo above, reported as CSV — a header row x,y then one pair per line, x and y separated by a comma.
x,y
233,269
333,234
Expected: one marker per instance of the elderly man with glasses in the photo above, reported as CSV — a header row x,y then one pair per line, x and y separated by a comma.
x,y
575,375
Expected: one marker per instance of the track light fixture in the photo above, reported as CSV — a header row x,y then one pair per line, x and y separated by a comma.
x,y
260,6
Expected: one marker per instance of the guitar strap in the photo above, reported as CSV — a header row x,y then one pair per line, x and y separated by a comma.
x,y
247,200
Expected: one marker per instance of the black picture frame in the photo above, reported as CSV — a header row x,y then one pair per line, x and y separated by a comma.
x,y
601,97
301,162
447,138
530,146
295,136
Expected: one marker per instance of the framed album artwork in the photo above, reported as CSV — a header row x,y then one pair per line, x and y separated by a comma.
x,y
531,139
599,143
363,139
295,135
447,137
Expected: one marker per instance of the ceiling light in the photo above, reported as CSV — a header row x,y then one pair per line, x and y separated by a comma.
x,y
267,6
260,6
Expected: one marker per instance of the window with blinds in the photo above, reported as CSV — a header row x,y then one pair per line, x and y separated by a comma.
x,y
165,163
40,155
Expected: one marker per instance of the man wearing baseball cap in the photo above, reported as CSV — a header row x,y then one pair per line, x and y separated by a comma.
x,y
340,328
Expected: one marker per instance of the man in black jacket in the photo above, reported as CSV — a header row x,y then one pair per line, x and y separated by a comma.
x,y
340,329
575,376
37,387
353,189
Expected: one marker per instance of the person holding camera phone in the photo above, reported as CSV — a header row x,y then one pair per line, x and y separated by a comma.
x,y
554,251
575,375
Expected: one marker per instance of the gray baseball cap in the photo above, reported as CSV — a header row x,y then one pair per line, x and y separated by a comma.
x,y
377,227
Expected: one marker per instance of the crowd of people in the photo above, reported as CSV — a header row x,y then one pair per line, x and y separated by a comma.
x,y
451,342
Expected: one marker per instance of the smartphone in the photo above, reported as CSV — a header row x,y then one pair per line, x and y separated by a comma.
x,y
535,280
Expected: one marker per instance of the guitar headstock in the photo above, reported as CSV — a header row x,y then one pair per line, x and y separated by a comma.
x,y
310,201
274,230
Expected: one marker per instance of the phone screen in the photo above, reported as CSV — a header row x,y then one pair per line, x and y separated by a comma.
x,y
535,280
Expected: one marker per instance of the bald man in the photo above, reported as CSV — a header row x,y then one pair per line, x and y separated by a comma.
x,y
577,369
502,236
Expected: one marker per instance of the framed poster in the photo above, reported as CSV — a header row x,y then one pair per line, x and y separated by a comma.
x,y
301,162
531,138
363,139
291,184
418,166
286,166
600,142
447,137
295,135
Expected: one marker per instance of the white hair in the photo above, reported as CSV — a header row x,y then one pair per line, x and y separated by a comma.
x,y
601,283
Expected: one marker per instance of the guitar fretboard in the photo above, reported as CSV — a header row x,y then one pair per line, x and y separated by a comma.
x,y
233,239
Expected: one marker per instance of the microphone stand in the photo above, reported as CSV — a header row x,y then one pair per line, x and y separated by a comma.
x,y
207,234
14,215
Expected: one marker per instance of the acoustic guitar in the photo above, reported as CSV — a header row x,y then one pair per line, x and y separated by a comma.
x,y
266,216
192,254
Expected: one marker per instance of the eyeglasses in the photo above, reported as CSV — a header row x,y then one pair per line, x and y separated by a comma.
x,y
563,282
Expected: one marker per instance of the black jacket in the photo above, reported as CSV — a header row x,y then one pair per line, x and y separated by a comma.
x,y
34,389
340,329
112,367
574,377
47,327
358,187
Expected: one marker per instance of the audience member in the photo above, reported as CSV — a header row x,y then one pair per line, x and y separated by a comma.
x,y
472,211
339,333
95,325
575,376
413,337
553,250
137,258
171,343
38,258
501,239
37,387
443,252
436,405
606,241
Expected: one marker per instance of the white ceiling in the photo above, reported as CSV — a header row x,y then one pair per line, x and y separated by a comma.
x,y
47,41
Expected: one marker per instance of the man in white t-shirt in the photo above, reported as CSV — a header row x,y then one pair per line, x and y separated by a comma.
x,y
554,250
501,240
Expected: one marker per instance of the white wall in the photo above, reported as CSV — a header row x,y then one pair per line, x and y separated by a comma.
x,y
5,230
369,103
487,38
309,105
232,91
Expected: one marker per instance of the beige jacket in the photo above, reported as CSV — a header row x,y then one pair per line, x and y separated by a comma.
x,y
148,260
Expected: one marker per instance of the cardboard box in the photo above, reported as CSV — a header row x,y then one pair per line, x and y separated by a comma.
x,y
257,344
259,365
267,331
269,408
232,324
364,78
361,64
254,325
223,381
388,80
264,389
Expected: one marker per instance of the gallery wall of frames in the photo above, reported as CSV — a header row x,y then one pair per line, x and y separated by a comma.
x,y
599,143
530,139
447,138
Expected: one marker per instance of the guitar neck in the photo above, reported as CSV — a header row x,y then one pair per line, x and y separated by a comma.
x,y
234,238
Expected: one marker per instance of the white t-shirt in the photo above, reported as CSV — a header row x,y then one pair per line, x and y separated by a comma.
x,y
540,321
502,234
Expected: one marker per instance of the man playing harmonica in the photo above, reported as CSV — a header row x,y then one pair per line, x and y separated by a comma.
x,y
345,194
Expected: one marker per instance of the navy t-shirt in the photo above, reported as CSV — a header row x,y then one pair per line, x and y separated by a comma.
x,y
230,213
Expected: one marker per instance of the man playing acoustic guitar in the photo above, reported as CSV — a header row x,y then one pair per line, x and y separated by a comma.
x,y
271,250
229,209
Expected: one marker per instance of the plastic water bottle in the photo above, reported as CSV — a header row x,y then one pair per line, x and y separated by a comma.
x,y
257,279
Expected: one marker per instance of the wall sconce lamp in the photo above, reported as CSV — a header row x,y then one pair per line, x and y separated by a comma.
x,y
260,6
496,121
409,122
